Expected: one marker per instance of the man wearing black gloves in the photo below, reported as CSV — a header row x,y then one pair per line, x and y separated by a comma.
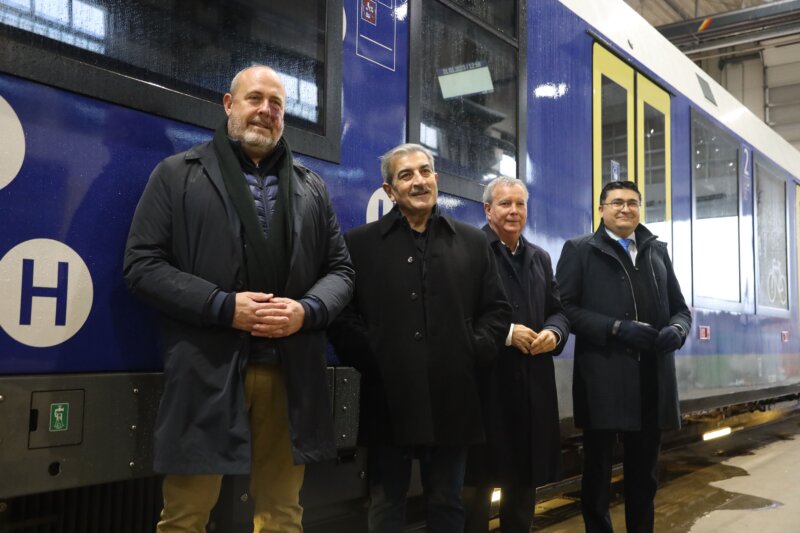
x,y
627,312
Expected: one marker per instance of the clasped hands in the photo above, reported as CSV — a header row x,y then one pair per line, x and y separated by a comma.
x,y
529,342
266,315
645,337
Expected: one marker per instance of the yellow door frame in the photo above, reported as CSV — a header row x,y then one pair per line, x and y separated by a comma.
x,y
606,64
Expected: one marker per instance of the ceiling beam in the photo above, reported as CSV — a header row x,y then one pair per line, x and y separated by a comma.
x,y
677,9
678,30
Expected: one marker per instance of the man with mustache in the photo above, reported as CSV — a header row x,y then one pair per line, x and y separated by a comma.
x,y
628,315
238,247
428,308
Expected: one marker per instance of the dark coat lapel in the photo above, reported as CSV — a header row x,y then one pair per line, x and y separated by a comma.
x,y
299,207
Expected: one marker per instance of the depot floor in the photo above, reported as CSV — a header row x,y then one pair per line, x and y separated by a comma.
x,y
748,482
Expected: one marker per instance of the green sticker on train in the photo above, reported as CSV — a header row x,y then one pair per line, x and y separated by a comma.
x,y
59,416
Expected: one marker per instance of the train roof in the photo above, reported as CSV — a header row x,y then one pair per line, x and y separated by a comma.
x,y
619,23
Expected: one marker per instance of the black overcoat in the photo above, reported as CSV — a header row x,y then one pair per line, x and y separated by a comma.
x,y
416,338
185,242
596,290
518,391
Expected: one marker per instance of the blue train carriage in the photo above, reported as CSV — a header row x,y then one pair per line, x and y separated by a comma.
x,y
565,95
93,94
610,98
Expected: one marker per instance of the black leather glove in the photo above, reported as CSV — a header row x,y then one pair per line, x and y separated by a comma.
x,y
637,334
668,340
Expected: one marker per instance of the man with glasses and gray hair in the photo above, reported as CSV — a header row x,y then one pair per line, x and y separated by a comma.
x,y
628,315
518,389
428,309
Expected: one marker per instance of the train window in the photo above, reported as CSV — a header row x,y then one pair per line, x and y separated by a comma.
x,y
715,189
771,249
499,13
653,161
465,107
653,147
797,234
615,131
160,51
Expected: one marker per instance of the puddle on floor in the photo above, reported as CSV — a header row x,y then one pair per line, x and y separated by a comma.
x,y
685,495
686,498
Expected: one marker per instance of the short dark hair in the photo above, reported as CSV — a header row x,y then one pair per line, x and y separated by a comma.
x,y
612,185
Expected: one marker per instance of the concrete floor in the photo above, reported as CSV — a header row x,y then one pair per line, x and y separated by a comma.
x,y
748,482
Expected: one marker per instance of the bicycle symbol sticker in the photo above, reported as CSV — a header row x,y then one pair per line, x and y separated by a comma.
x,y
776,284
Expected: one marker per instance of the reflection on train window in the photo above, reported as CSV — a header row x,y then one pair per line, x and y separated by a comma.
x,y
615,131
73,22
772,289
468,100
194,49
655,177
500,14
715,179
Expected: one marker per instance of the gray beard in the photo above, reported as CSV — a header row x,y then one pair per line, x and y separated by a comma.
x,y
258,142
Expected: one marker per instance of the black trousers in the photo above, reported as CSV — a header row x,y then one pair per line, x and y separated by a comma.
x,y
516,509
640,463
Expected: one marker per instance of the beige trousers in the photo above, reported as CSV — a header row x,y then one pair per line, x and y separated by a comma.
x,y
275,480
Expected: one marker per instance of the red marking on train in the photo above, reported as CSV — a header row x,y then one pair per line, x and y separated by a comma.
x,y
369,11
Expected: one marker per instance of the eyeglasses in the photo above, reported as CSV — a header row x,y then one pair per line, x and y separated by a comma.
x,y
619,204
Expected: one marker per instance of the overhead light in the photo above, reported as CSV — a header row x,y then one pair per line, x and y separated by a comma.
x,y
717,433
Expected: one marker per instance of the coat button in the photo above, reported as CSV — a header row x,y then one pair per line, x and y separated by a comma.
x,y
410,259
413,295
417,336
627,315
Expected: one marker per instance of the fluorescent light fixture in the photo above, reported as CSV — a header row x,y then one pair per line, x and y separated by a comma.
x,y
550,90
496,495
429,136
717,433
508,166
464,80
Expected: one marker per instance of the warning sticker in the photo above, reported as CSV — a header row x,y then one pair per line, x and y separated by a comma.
x,y
59,417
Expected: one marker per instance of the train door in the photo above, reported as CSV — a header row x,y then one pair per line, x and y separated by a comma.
x,y
631,132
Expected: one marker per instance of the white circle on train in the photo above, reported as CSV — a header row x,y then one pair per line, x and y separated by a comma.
x,y
47,293
379,204
12,149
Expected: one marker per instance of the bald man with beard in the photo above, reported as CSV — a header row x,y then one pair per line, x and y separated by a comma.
x,y
238,247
